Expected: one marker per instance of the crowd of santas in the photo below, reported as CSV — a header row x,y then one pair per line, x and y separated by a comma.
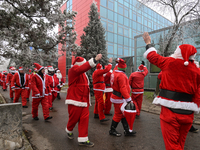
x,y
45,83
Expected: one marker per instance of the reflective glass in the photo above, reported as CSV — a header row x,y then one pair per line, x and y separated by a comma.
x,y
126,21
126,52
149,24
115,39
120,30
103,12
115,27
125,32
120,50
121,1
120,19
110,56
104,3
110,15
104,24
115,49
120,39
126,12
139,27
110,49
126,41
110,37
110,27
120,9
139,19
110,5
134,16
134,25
116,15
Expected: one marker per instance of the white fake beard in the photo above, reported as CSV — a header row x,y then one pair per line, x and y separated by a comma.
x,y
59,75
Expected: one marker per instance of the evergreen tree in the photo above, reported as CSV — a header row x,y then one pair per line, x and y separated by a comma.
x,y
93,41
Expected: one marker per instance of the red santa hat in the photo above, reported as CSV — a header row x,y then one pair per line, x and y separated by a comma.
x,y
186,52
79,61
99,66
20,68
141,67
50,68
39,67
4,71
35,69
57,71
121,64
12,68
29,70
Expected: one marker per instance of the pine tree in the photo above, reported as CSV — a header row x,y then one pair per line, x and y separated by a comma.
x,y
93,41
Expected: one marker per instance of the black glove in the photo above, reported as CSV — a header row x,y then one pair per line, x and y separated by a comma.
x,y
58,86
130,106
143,63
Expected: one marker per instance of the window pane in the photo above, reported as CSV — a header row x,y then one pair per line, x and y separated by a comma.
x,y
125,52
104,24
120,10
110,15
110,56
139,27
104,3
110,37
115,49
121,1
139,19
110,49
110,5
134,25
116,17
126,41
110,27
120,30
120,50
115,38
115,27
145,22
120,19
149,24
103,12
120,39
126,21
126,12
125,32
134,16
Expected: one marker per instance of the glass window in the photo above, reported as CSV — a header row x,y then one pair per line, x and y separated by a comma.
x,y
145,29
104,3
110,37
103,12
125,32
120,50
126,52
126,12
68,3
120,30
120,9
115,27
110,49
116,17
134,25
110,15
104,24
139,27
126,4
145,22
120,39
110,56
120,19
121,1
110,5
126,21
139,19
126,41
115,38
134,16
115,49
149,24
110,27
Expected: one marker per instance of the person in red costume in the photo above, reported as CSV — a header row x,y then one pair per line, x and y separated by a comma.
x,y
9,79
19,85
29,81
78,98
179,85
136,81
121,94
61,82
1,83
108,92
53,83
40,92
99,87
3,79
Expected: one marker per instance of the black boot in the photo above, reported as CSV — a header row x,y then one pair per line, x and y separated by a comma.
x,y
113,129
126,128
58,96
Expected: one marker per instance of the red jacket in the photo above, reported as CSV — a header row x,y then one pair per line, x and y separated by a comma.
x,y
4,78
16,81
98,79
53,82
160,75
175,77
119,82
40,87
78,93
29,78
9,79
0,77
107,82
136,81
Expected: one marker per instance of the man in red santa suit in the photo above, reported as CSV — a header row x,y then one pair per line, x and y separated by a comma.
x,y
136,81
108,92
29,81
53,83
179,84
99,87
40,92
3,79
121,94
9,79
61,83
78,98
0,79
19,85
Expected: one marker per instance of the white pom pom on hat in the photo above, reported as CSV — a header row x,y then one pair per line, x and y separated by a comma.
x,y
186,63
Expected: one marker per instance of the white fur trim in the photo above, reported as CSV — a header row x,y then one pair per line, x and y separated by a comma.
x,y
177,53
122,108
75,103
151,49
197,63
192,57
108,90
80,63
117,101
82,139
130,130
68,131
91,62
186,63
130,111
137,92
128,99
99,90
176,104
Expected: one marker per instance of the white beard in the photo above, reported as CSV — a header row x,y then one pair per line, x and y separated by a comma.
x,y
59,75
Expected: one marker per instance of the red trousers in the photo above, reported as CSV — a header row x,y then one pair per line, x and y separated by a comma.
x,y
21,92
99,104
51,98
108,104
28,91
4,86
11,92
45,106
78,115
1,83
117,113
175,128
137,98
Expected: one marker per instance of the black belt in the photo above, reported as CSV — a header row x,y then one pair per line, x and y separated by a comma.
x,y
99,82
19,86
117,94
108,85
177,96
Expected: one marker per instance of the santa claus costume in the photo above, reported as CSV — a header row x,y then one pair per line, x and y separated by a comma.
x,y
136,81
78,99
1,83
20,84
108,92
40,92
53,83
179,84
29,81
99,87
61,83
3,79
9,79
121,94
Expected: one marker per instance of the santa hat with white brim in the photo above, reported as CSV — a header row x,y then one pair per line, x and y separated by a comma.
x,y
79,61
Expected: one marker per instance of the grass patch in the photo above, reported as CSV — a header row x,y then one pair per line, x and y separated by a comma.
x,y
65,86
149,95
